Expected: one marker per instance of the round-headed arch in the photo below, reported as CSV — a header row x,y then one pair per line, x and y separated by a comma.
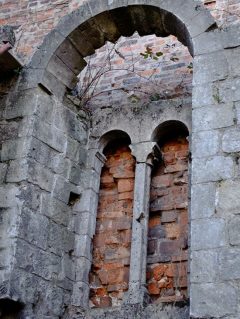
x,y
168,129
59,60
113,136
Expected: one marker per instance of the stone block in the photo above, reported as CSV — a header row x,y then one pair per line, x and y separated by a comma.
x,y
62,189
227,198
208,233
212,300
210,67
37,261
88,202
232,56
228,90
205,144
233,230
17,171
50,135
83,246
203,200
228,260
212,169
73,149
203,266
80,294
54,209
208,42
21,104
84,224
231,140
60,239
83,266
34,228
3,171
75,174
213,117
13,149
9,196
40,175
68,121
202,95
62,72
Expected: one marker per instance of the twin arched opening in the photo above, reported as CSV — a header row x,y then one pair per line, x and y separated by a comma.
x,y
167,252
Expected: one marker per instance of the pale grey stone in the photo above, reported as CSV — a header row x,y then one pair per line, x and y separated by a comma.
x,y
83,246
227,198
212,117
202,95
210,67
231,140
50,135
13,149
34,228
205,144
203,200
203,266
234,230
83,267
229,260
208,233
9,196
212,169
212,300
80,294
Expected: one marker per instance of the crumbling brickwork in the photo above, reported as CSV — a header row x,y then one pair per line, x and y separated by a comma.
x,y
168,224
112,241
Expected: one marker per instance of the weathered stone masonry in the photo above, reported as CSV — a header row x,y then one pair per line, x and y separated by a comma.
x,y
52,159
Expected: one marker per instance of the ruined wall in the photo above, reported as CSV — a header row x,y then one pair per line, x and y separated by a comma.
x,y
42,174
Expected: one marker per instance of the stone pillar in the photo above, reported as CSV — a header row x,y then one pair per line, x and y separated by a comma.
x,y
145,153
85,224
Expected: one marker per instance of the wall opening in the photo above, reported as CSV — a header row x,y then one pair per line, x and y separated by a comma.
x,y
10,309
167,263
109,275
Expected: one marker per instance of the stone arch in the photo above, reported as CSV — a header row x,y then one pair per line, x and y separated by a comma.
x,y
111,136
60,58
171,127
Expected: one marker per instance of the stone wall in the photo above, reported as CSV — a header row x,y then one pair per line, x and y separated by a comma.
x,y
51,160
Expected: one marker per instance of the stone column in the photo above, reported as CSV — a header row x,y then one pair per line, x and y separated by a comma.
x,y
145,154
85,225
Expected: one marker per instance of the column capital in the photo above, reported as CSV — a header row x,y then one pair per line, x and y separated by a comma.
x,y
146,152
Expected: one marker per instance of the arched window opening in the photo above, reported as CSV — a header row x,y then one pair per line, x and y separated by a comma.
x,y
167,263
112,241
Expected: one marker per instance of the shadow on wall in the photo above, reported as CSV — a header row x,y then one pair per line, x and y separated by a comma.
x,y
10,309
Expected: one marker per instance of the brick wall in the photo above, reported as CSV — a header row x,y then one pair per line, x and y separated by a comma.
x,y
128,77
112,241
168,225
